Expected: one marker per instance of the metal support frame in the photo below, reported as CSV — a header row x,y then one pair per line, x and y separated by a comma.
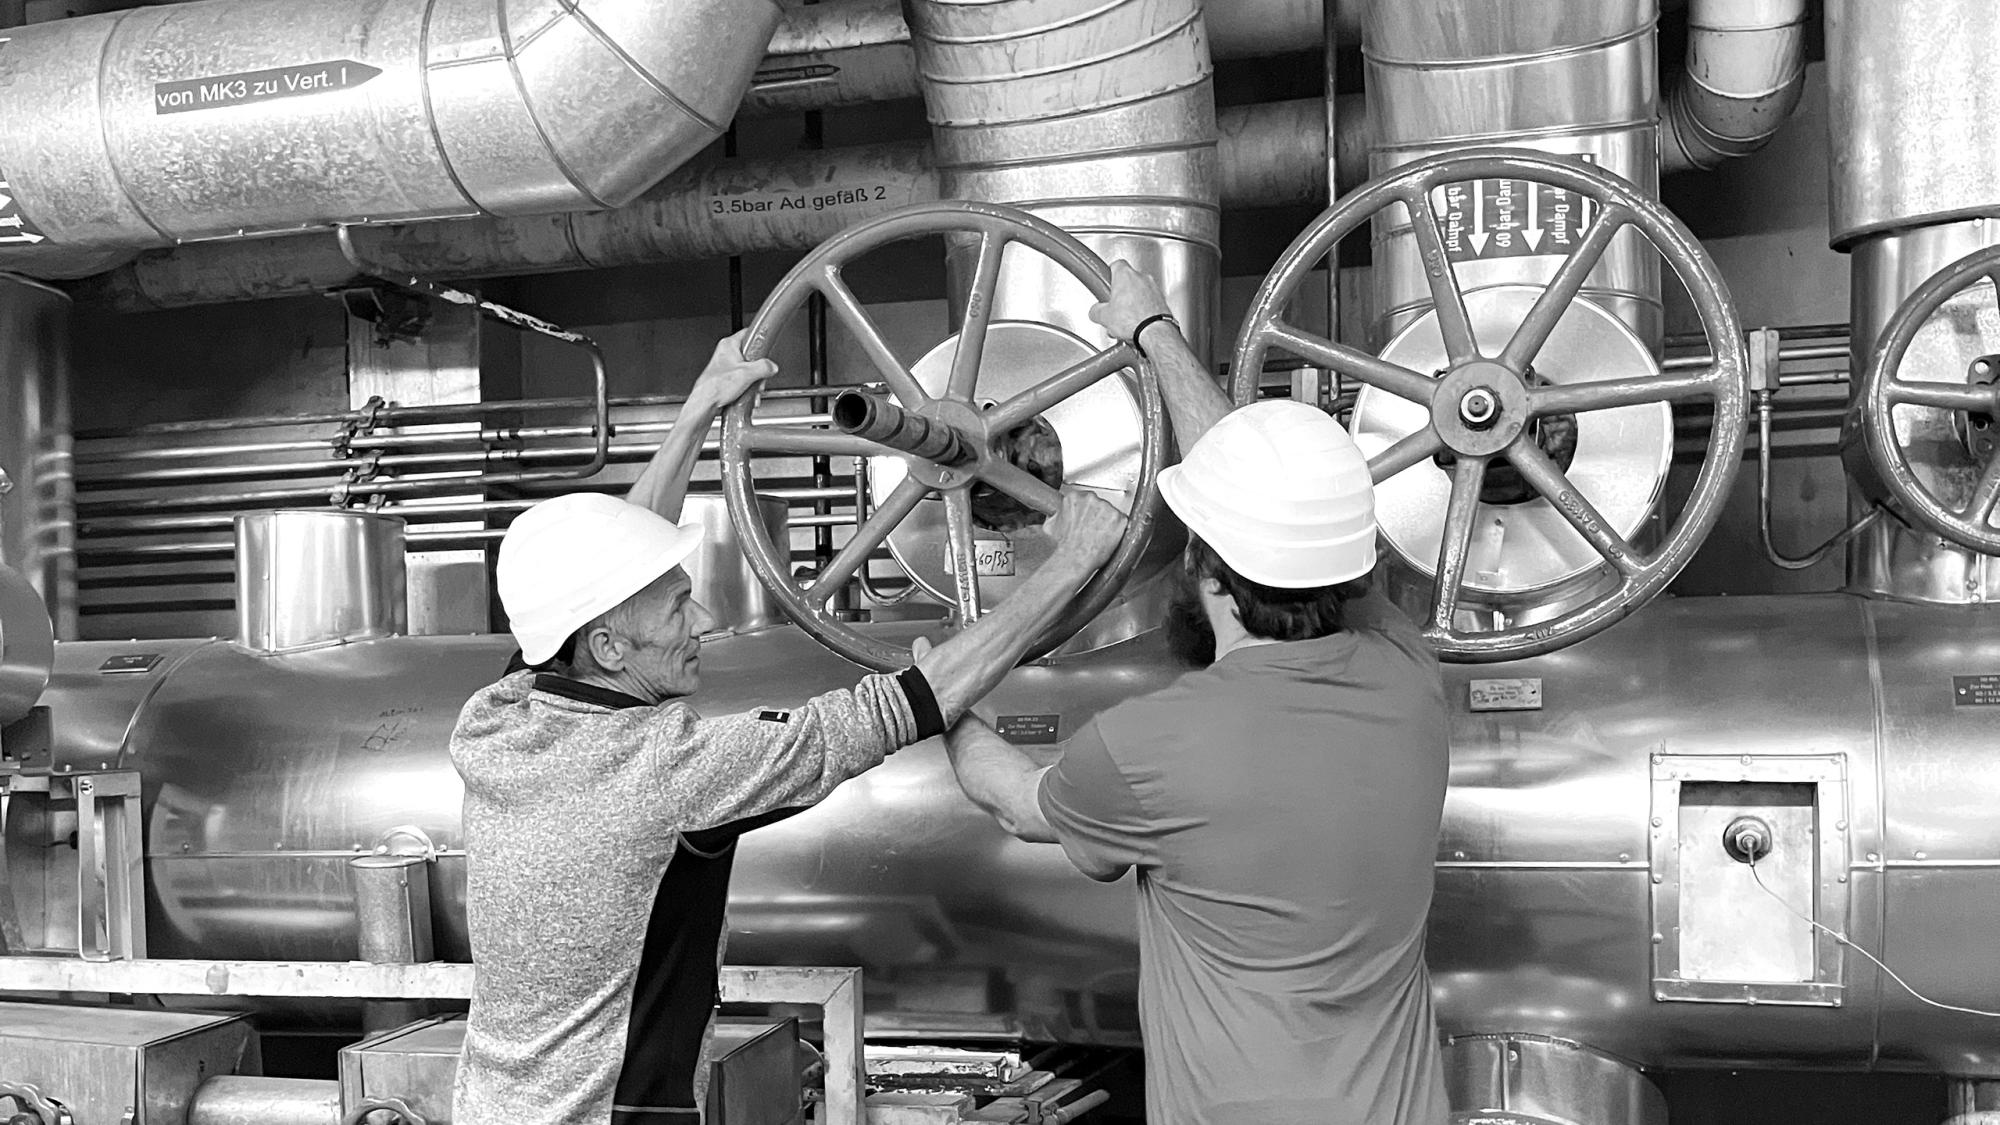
x,y
110,891
836,992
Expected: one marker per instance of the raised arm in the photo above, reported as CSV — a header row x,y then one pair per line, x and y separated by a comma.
x,y
965,668
663,485
1194,400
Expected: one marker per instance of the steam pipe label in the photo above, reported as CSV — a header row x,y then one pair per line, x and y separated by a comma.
x,y
221,91
15,226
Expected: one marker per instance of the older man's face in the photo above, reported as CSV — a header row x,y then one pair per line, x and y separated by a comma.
x,y
665,641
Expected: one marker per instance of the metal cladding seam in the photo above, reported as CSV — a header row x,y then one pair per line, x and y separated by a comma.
x,y
228,118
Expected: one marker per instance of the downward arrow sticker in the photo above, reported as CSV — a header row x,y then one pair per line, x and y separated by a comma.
x,y
20,230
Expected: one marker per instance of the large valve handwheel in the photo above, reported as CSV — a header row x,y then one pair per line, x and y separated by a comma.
x,y
1482,406
955,419
1883,388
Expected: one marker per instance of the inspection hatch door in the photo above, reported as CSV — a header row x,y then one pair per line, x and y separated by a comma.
x,y
1731,930
1718,936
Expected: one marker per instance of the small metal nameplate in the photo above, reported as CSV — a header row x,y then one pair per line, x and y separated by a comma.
x,y
1976,691
129,664
1505,695
1030,730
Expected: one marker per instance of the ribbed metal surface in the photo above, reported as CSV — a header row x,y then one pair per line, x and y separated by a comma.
x,y
1915,124
1573,79
1096,116
1745,70
233,117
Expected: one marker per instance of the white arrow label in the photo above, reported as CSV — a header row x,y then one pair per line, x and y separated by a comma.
x,y
1479,235
24,236
1534,228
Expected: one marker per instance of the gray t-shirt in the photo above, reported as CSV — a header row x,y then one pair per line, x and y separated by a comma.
x,y
1282,807
572,812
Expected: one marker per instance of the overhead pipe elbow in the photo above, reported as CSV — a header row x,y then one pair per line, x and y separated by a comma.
x,y
190,122
1745,70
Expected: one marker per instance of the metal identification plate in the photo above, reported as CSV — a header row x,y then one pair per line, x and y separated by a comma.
x,y
993,558
131,663
1505,695
1029,730
1982,690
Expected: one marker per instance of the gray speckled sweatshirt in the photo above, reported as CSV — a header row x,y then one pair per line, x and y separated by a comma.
x,y
572,811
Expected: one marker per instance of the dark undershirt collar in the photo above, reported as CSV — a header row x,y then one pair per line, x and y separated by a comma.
x,y
582,692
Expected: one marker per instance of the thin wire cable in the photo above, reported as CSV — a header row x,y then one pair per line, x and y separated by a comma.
x,y
1849,943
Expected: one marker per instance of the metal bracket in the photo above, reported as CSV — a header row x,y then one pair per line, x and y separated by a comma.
x,y
110,874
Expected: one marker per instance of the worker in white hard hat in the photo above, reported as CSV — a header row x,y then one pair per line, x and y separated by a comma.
x,y
602,808
1281,800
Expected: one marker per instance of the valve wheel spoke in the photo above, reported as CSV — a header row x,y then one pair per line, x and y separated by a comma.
x,y
971,348
1610,394
1059,387
1541,472
1022,485
1453,322
1352,362
848,309
1409,451
811,441
1461,512
1562,289
961,547
853,555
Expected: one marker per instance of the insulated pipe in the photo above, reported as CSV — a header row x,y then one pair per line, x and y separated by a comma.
x,y
1098,117
1565,78
159,125
850,52
232,1099
1745,69
1266,155
882,421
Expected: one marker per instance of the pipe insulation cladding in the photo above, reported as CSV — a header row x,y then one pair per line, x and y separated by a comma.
x,y
1267,155
1099,118
226,118
1745,70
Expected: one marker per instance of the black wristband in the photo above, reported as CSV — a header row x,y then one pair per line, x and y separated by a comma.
x,y
1148,323
923,702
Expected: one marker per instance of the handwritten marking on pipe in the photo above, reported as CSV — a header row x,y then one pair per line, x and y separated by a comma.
x,y
752,203
221,91
993,558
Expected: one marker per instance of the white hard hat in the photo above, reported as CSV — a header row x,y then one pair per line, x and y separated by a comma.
x,y
1280,492
566,561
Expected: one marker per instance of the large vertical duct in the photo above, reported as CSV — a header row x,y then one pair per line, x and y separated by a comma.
x,y
1096,115
38,508
1915,131
225,118
1574,79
